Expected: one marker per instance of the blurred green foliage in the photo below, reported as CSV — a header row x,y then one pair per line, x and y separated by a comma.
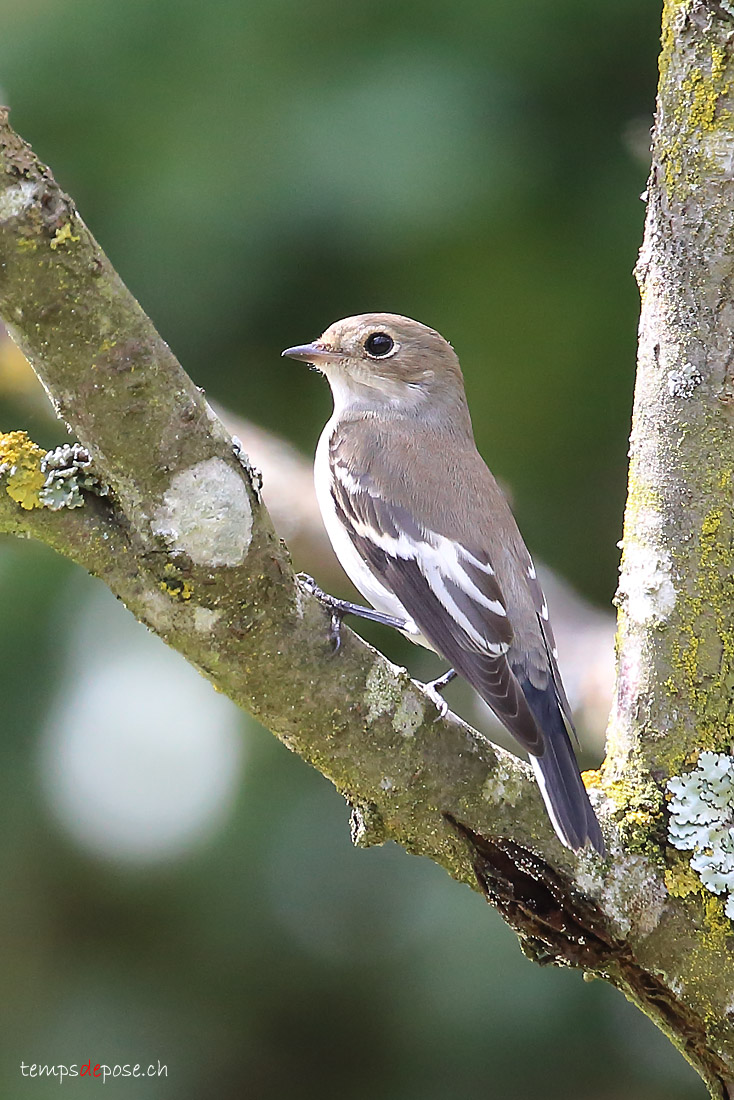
x,y
256,170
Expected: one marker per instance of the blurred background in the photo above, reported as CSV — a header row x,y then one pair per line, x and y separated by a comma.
x,y
177,886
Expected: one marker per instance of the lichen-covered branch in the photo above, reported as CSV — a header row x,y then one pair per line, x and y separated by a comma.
x,y
677,587
194,555
676,595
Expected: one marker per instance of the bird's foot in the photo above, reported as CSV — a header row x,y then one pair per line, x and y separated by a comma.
x,y
337,608
434,688
340,608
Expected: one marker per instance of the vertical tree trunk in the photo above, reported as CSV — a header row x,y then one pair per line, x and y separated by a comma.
x,y
675,685
676,630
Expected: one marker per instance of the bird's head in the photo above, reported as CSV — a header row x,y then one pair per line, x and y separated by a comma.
x,y
384,361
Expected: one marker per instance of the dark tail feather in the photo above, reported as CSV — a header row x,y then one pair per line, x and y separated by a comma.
x,y
558,776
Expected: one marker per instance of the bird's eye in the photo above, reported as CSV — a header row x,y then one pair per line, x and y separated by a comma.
x,y
379,344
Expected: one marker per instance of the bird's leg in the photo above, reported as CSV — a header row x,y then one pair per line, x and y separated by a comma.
x,y
434,688
340,608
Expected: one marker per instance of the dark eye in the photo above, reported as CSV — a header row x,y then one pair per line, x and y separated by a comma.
x,y
379,344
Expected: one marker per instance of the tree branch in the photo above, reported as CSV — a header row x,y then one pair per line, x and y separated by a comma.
x,y
205,570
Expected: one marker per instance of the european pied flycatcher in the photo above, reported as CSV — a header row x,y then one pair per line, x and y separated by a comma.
x,y
422,529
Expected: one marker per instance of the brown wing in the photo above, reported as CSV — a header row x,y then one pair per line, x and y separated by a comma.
x,y
451,594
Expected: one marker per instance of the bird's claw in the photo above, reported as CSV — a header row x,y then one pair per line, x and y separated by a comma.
x,y
331,603
306,581
335,631
433,690
438,701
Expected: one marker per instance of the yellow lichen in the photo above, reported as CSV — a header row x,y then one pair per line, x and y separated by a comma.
x,y
175,584
667,38
718,927
63,236
619,791
693,104
21,458
702,656
681,881
642,498
638,812
703,98
639,817
718,62
708,959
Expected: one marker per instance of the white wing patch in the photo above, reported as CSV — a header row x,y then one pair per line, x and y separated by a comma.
x,y
439,560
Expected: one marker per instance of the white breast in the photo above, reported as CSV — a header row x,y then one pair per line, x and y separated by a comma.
x,y
356,569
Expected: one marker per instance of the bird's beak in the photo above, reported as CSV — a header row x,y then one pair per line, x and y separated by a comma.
x,y
311,353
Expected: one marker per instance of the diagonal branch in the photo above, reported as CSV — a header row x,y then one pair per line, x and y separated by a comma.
x,y
204,568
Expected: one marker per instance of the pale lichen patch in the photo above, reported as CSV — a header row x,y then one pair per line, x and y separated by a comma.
x,y
68,471
206,514
632,893
382,691
14,200
684,381
677,986
702,822
718,146
205,619
505,784
408,715
157,611
366,825
646,585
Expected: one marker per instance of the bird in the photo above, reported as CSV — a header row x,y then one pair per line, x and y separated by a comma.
x,y
426,535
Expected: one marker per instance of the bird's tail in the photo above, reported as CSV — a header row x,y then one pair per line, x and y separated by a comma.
x,y
565,797
559,779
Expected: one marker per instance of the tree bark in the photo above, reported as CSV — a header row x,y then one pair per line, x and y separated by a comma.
x,y
184,540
